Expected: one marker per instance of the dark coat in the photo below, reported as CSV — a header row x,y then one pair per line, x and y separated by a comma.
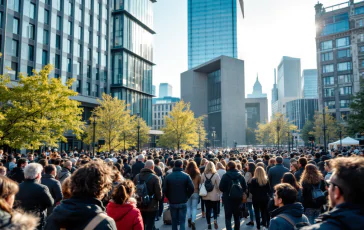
x,y
292,211
76,213
298,174
64,174
127,170
286,162
198,159
154,187
344,216
136,168
307,200
178,187
275,174
226,182
17,174
54,187
260,193
35,198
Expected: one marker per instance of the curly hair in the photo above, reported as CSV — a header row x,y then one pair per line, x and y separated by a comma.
x,y
311,175
93,179
192,170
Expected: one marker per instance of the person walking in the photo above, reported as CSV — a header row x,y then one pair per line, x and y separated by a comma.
x,y
275,174
261,192
138,166
212,198
232,185
289,178
178,188
17,174
54,186
248,178
65,172
302,162
193,171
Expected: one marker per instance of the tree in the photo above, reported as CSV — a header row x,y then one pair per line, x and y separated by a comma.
x,y
306,130
143,132
181,130
112,121
201,131
332,127
355,119
38,110
263,134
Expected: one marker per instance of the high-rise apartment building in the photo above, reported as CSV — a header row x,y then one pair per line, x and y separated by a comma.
x,y
162,108
165,90
340,55
214,27
309,84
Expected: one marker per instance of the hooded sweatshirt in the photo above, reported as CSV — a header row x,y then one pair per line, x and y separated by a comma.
x,y
126,216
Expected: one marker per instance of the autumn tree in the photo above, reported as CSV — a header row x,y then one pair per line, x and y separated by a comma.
x,y
37,110
181,130
306,131
332,127
355,119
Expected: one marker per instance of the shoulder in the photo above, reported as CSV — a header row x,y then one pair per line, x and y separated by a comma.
x,y
106,223
326,225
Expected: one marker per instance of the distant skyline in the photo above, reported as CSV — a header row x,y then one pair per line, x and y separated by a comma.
x,y
280,28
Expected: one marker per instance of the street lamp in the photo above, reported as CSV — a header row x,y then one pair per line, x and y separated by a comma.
x,y
340,133
278,129
94,136
213,135
138,127
324,128
289,144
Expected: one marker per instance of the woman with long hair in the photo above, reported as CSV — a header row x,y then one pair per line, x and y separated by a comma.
x,y
291,179
192,203
212,198
311,180
9,219
122,207
260,189
271,163
248,178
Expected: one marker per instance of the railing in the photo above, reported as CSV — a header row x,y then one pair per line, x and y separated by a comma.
x,y
337,6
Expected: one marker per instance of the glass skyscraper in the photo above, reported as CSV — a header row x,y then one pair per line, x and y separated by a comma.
x,y
213,29
309,83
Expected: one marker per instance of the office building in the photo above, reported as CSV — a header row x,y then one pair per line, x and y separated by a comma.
x,y
216,89
301,110
309,84
256,111
165,90
214,28
161,108
153,90
257,91
340,55
274,102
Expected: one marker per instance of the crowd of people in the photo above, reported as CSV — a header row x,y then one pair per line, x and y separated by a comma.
x,y
272,189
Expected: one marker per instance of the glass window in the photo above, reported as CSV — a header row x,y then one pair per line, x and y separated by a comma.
x,y
89,71
32,11
342,42
344,78
343,53
329,92
344,66
58,41
329,80
69,28
15,26
78,88
1,19
69,64
345,90
14,67
327,45
59,23
88,54
328,68
69,45
327,56
359,10
30,71
46,17
330,104
57,62
361,48
344,103
14,48
30,53
31,31
44,57
14,5
45,37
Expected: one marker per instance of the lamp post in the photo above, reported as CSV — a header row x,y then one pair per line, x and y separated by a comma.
x,y
94,136
289,144
278,129
138,127
213,136
324,128
340,133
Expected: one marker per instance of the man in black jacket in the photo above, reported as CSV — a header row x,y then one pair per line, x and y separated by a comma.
x,y
231,205
198,159
34,197
17,174
178,188
54,186
139,165
346,191
276,173
302,162
154,187
126,169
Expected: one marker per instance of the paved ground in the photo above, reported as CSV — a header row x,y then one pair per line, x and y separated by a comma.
x,y
201,223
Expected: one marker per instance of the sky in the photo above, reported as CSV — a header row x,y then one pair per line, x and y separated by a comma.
x,y
271,29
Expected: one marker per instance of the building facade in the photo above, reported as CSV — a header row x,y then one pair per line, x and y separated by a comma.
x,y
309,84
214,28
257,90
340,55
165,90
301,110
256,111
274,102
160,109
216,89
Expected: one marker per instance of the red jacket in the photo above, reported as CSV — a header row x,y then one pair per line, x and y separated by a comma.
x,y
126,216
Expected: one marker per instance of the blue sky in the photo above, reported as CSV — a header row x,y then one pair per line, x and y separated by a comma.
x,y
272,29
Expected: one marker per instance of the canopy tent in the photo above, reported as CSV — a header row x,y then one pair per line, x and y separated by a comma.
x,y
348,141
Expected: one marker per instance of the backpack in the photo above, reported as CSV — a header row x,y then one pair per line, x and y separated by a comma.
x,y
295,225
208,184
236,190
143,198
318,196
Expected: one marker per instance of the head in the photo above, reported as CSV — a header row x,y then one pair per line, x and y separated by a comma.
x,y
3,171
261,176
210,168
294,167
33,171
123,191
251,168
231,165
289,178
311,175
141,158
302,162
285,194
279,160
285,155
8,189
22,162
346,182
31,157
219,165
93,179
328,165
66,188
149,164
50,170
43,162
192,169
178,164
272,162
68,164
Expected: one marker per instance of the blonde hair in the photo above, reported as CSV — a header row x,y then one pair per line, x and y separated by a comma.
x,y
210,168
219,165
261,176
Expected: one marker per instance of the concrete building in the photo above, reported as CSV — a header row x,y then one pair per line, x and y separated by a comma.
x,y
340,55
257,90
216,89
165,90
301,110
256,111
309,84
214,28
161,108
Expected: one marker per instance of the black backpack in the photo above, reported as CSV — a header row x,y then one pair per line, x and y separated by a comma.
x,y
236,190
208,184
318,196
143,198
